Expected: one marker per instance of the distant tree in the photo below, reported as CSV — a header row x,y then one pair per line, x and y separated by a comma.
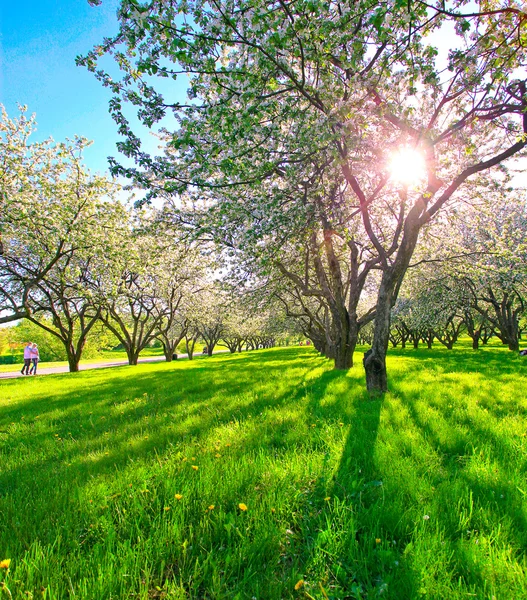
x,y
180,280
130,290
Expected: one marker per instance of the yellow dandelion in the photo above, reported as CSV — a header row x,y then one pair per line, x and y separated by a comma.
x,y
184,459
211,507
273,510
242,506
327,498
167,508
313,425
193,458
377,540
218,455
4,564
195,467
299,584
227,445
178,496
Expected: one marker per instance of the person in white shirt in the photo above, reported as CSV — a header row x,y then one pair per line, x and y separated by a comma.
x,y
27,359
35,357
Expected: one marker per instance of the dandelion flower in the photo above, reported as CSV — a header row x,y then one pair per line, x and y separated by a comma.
x,y
299,584
4,564
227,445
378,540
195,467
167,508
178,496
327,498
273,510
218,455
242,506
211,507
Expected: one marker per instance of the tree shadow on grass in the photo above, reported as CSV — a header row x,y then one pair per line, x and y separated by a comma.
x,y
492,361
132,415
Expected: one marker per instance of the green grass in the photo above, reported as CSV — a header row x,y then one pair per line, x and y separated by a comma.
x,y
420,495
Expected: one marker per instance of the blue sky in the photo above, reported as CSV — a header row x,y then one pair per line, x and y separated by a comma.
x,y
38,45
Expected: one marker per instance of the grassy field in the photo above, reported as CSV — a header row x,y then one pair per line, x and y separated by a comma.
x,y
267,475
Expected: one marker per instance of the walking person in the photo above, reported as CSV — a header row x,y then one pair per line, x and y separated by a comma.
x,y
35,357
27,359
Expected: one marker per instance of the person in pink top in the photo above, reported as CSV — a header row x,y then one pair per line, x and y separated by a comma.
x,y
27,359
35,357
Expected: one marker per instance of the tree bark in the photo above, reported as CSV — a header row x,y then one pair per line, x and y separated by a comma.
x,y
375,359
73,363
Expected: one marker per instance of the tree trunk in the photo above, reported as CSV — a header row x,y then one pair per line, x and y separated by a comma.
x,y
168,351
73,363
133,355
344,356
429,340
375,359
475,340
514,345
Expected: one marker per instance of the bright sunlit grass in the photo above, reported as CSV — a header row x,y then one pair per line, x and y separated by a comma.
x,y
242,476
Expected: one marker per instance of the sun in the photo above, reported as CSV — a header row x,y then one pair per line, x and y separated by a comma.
x,y
407,166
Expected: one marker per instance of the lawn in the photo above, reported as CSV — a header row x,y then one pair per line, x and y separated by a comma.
x,y
267,475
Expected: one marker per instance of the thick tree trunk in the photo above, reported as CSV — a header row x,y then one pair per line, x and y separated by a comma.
x,y
73,363
133,355
347,340
514,345
344,356
168,351
375,363
475,341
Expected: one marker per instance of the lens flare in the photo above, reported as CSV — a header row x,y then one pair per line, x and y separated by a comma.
x,y
407,166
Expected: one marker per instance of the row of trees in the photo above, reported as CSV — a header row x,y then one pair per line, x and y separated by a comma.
x,y
282,150
73,258
478,284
